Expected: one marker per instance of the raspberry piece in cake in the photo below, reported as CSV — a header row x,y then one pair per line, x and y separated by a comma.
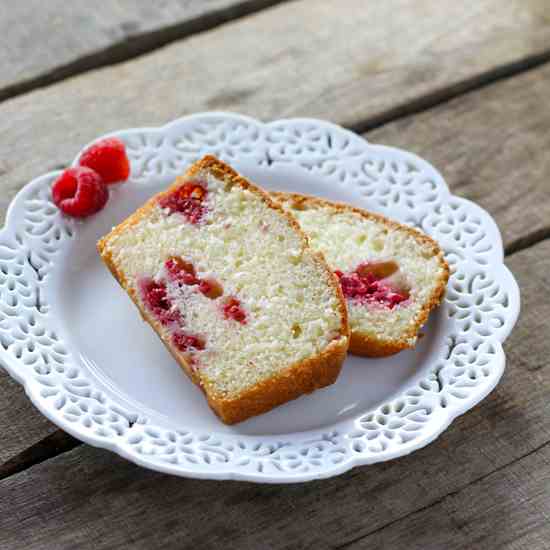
x,y
188,200
260,317
155,297
233,309
79,192
369,284
379,269
186,342
211,288
391,274
181,271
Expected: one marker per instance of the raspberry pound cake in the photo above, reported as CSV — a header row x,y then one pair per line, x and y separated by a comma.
x,y
391,275
226,279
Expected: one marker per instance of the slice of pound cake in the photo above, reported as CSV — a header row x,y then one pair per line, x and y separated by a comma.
x,y
226,279
391,274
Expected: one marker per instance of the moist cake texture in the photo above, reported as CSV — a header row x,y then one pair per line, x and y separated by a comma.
x,y
227,280
392,275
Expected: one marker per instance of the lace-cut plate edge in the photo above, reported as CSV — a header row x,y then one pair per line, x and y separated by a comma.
x,y
481,306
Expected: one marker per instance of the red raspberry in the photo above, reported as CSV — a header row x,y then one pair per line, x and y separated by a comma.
x,y
156,298
184,341
187,200
79,192
181,271
108,158
363,286
232,309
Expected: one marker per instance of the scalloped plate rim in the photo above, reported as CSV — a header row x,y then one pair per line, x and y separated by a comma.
x,y
121,448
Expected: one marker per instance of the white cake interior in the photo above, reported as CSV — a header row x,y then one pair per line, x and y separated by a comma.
x,y
347,239
292,312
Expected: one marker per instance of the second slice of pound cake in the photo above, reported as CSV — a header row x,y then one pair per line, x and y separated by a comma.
x,y
391,274
226,279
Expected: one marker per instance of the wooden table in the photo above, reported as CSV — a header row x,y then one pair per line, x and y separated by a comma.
x,y
465,85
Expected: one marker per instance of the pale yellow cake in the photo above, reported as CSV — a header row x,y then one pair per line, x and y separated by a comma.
x,y
227,280
392,275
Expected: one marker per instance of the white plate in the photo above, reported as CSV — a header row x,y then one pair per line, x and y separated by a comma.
x,y
71,336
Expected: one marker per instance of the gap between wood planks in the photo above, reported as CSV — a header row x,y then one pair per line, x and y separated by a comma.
x,y
138,44
56,443
143,43
439,500
527,241
438,97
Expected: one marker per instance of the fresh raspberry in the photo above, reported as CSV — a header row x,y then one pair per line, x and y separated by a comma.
x,y
232,309
108,158
79,192
187,200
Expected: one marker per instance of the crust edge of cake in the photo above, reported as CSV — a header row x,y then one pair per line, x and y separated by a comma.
x,y
297,379
301,378
360,342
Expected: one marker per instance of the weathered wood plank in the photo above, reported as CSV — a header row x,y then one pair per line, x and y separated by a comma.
x,y
509,509
54,444
305,58
101,501
45,41
21,425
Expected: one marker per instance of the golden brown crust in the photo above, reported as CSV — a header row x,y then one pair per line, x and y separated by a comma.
x,y
360,342
300,378
157,327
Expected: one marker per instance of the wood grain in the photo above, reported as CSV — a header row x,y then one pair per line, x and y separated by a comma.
x,y
43,42
487,473
304,58
21,425
508,509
